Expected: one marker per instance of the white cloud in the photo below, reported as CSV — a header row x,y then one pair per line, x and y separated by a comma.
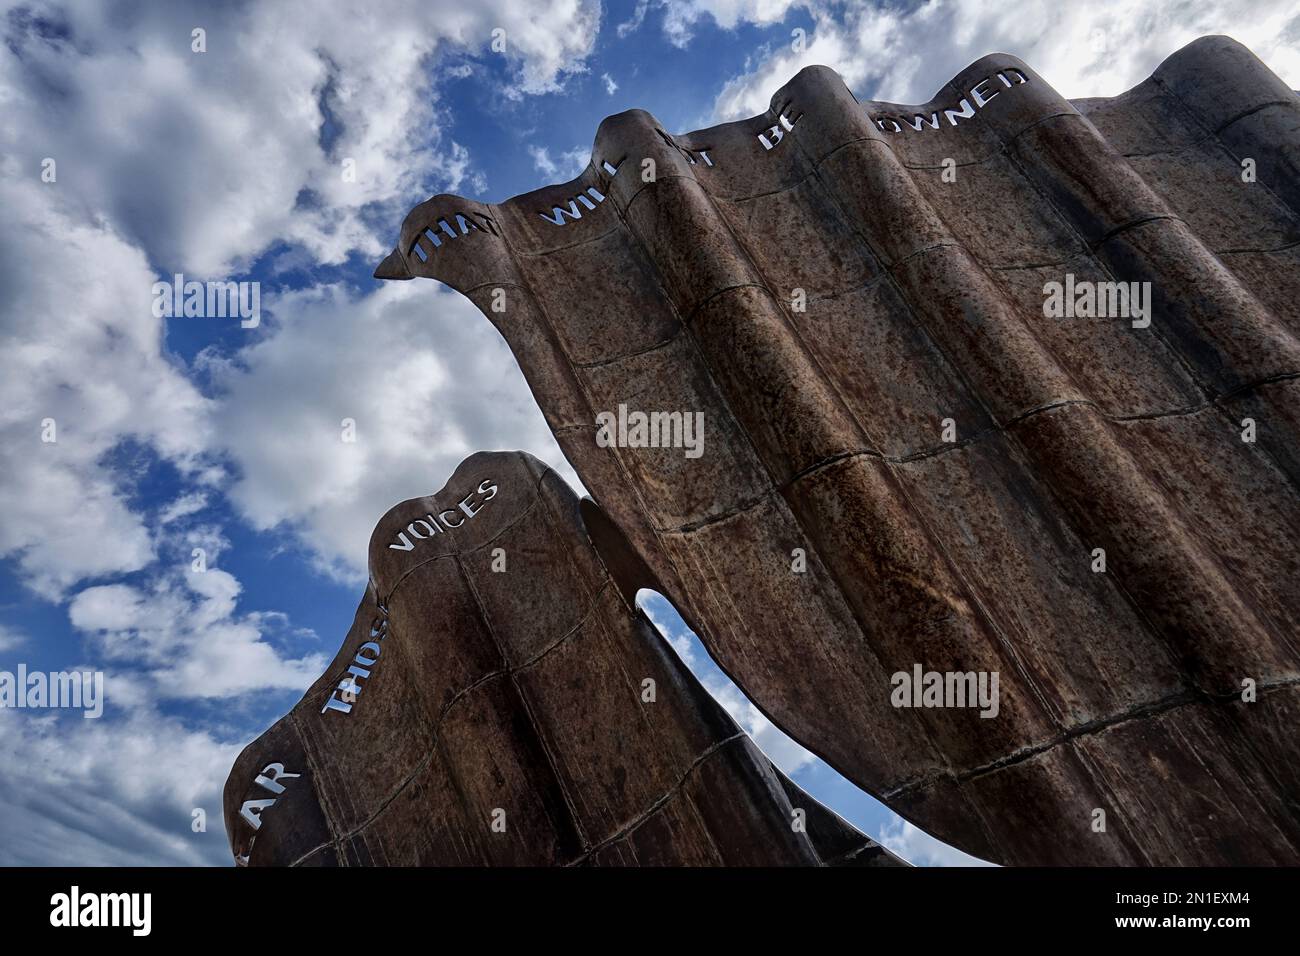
x,y
680,16
81,347
633,23
184,506
427,380
99,793
186,636
542,161
779,747
919,848
906,54
10,638
610,86
168,159
563,167
206,159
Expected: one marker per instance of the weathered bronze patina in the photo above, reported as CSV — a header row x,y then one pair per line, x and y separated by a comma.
x,y
1101,511
499,700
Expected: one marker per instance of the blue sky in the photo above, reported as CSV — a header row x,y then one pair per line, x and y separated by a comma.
x,y
183,433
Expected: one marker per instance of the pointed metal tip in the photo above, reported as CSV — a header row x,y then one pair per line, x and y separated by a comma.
x,y
393,267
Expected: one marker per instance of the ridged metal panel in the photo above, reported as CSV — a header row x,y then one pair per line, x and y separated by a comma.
x,y
1120,691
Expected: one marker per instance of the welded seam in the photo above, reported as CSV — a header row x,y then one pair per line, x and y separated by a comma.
x,y
631,826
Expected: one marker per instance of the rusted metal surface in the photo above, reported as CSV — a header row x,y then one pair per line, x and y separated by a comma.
x,y
947,458
501,714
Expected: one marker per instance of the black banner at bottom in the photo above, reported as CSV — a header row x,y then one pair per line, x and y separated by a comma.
x,y
352,907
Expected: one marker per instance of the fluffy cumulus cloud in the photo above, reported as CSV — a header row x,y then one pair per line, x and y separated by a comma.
x,y
424,379
165,159
84,370
904,54
183,632
205,159
132,146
